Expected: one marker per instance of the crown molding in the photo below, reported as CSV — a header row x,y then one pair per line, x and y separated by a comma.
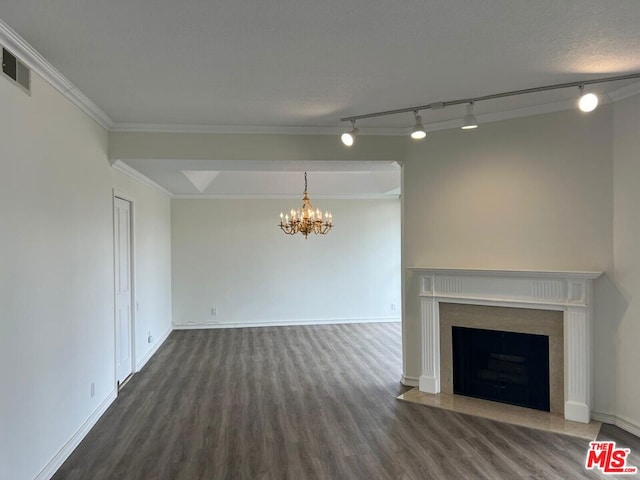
x,y
122,167
247,130
364,131
625,92
38,64
354,196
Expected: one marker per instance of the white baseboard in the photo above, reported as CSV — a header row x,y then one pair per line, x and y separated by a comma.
x,y
604,417
283,323
409,381
56,462
143,361
624,423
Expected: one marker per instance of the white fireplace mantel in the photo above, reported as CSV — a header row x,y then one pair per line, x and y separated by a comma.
x,y
569,292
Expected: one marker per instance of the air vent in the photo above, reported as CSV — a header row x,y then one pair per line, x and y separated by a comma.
x,y
16,71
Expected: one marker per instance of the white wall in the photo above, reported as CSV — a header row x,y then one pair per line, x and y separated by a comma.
x,y
56,274
230,254
625,307
532,193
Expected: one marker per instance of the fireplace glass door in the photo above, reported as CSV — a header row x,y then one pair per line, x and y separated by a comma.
x,y
501,366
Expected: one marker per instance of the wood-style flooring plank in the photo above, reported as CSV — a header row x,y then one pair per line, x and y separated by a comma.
x,y
310,402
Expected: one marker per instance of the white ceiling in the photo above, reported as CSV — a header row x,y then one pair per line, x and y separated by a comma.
x,y
299,63
283,64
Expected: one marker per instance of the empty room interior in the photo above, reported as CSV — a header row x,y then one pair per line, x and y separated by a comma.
x,y
337,240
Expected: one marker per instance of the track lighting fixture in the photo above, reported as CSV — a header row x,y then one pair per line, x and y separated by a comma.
x,y
588,101
469,121
418,131
349,137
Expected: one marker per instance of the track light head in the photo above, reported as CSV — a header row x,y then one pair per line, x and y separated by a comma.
x,y
418,132
588,101
469,120
348,138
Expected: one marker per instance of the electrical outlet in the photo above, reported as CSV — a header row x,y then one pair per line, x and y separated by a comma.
x,y
393,307
214,311
93,389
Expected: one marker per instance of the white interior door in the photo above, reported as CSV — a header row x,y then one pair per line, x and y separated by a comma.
x,y
122,238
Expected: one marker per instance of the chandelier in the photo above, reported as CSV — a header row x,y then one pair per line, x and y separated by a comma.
x,y
306,220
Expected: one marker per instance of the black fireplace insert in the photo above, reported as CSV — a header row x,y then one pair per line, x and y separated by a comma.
x,y
501,366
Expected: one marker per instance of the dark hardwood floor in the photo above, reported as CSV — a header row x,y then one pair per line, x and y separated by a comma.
x,y
314,402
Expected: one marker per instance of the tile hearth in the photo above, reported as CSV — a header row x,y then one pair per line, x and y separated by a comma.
x,y
524,417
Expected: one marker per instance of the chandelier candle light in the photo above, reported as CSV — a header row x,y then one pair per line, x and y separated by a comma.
x,y
306,220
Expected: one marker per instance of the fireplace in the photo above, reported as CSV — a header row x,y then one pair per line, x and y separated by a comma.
x,y
567,295
501,366
505,320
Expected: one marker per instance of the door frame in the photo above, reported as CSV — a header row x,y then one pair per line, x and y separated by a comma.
x,y
132,262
